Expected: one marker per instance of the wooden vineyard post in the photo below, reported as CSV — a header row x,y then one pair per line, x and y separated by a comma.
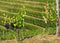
x,y
57,17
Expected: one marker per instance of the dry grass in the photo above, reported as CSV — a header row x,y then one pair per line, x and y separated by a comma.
x,y
37,39
9,41
43,39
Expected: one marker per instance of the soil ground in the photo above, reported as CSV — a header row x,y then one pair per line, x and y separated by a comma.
x,y
43,39
37,39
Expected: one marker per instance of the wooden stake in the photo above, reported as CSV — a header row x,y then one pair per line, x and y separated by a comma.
x,y
57,18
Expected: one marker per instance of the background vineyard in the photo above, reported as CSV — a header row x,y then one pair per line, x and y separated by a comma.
x,y
33,21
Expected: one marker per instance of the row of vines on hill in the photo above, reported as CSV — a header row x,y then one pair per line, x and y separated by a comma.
x,y
17,21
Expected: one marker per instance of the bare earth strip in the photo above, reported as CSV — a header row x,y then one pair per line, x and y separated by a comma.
x,y
37,39
9,41
43,39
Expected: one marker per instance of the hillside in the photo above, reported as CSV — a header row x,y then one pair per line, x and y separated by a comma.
x,y
33,20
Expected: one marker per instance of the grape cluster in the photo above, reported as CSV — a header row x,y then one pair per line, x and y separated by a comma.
x,y
7,26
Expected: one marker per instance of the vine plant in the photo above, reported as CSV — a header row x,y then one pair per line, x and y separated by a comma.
x,y
50,13
17,20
